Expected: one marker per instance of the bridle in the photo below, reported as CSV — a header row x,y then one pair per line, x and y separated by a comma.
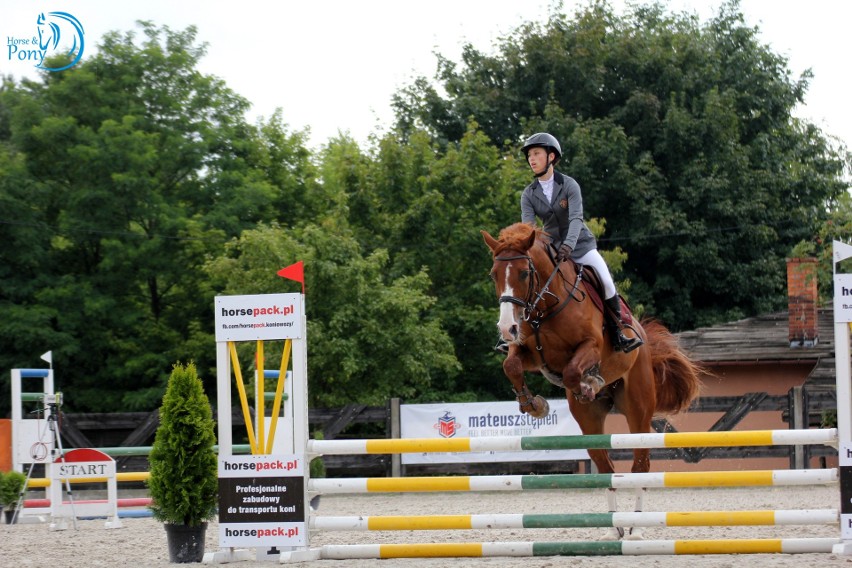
x,y
534,315
531,302
528,304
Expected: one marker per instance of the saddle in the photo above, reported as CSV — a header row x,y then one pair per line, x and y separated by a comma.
x,y
594,288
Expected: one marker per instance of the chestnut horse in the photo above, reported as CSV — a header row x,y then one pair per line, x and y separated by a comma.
x,y
553,327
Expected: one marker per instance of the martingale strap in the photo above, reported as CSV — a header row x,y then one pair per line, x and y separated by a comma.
x,y
571,295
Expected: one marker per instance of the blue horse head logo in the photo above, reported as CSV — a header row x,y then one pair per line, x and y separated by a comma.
x,y
50,33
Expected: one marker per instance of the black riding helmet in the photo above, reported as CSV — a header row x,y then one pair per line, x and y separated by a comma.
x,y
546,141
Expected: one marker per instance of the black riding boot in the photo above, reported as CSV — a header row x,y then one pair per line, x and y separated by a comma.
x,y
613,325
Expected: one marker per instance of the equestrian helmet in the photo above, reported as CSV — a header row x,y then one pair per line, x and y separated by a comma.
x,y
543,140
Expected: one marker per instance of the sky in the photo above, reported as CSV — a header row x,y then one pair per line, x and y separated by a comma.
x,y
333,66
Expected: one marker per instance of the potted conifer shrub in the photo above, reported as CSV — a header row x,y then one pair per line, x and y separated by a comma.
x,y
11,486
184,475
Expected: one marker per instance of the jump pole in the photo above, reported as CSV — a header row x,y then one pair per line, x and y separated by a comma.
x,y
578,548
578,520
826,436
842,322
698,479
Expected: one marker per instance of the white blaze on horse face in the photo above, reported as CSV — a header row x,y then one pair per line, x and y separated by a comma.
x,y
508,323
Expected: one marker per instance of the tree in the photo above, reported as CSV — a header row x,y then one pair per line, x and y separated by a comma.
x,y
370,337
838,227
184,481
127,172
680,133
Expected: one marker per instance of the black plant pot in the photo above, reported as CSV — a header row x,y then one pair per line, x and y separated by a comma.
x,y
9,514
186,543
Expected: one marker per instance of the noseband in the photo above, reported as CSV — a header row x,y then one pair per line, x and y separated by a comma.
x,y
532,300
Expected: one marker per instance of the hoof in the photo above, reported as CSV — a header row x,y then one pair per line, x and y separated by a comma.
x,y
590,386
612,535
587,392
634,533
541,407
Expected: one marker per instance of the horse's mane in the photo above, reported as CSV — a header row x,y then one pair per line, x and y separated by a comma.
x,y
516,236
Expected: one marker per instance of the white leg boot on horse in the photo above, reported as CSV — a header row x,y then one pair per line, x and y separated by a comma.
x,y
636,533
626,533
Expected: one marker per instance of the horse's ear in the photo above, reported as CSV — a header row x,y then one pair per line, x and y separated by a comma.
x,y
489,240
531,239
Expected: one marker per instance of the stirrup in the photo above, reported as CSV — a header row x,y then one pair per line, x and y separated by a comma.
x,y
626,344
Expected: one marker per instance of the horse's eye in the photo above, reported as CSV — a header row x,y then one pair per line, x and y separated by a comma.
x,y
524,274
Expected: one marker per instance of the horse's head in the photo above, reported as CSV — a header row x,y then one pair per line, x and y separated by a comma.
x,y
514,275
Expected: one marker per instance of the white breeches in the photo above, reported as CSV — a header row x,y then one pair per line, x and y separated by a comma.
x,y
594,259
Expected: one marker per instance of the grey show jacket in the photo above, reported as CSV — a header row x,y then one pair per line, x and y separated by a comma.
x,y
562,217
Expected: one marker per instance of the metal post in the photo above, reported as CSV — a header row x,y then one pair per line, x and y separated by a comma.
x,y
223,398
395,431
796,423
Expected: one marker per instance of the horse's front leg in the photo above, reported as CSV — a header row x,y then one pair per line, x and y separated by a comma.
x,y
513,366
582,372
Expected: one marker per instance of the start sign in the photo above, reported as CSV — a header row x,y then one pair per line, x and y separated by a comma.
x,y
82,465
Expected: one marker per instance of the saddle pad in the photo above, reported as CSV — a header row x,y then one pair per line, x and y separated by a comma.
x,y
592,284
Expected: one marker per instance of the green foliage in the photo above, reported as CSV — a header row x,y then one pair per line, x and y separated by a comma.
x,y
11,485
425,207
828,419
681,135
838,227
370,336
133,191
184,471
120,178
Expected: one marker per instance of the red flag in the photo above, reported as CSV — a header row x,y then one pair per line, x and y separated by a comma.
x,y
295,271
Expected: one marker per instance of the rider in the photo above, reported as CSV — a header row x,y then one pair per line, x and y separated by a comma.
x,y
556,200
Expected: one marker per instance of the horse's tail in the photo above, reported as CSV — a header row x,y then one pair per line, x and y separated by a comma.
x,y
677,377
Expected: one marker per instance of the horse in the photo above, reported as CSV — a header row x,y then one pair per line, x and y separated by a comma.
x,y
553,327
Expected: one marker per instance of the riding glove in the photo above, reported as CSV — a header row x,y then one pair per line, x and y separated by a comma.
x,y
564,253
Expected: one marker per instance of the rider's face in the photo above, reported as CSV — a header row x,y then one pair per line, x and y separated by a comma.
x,y
537,159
